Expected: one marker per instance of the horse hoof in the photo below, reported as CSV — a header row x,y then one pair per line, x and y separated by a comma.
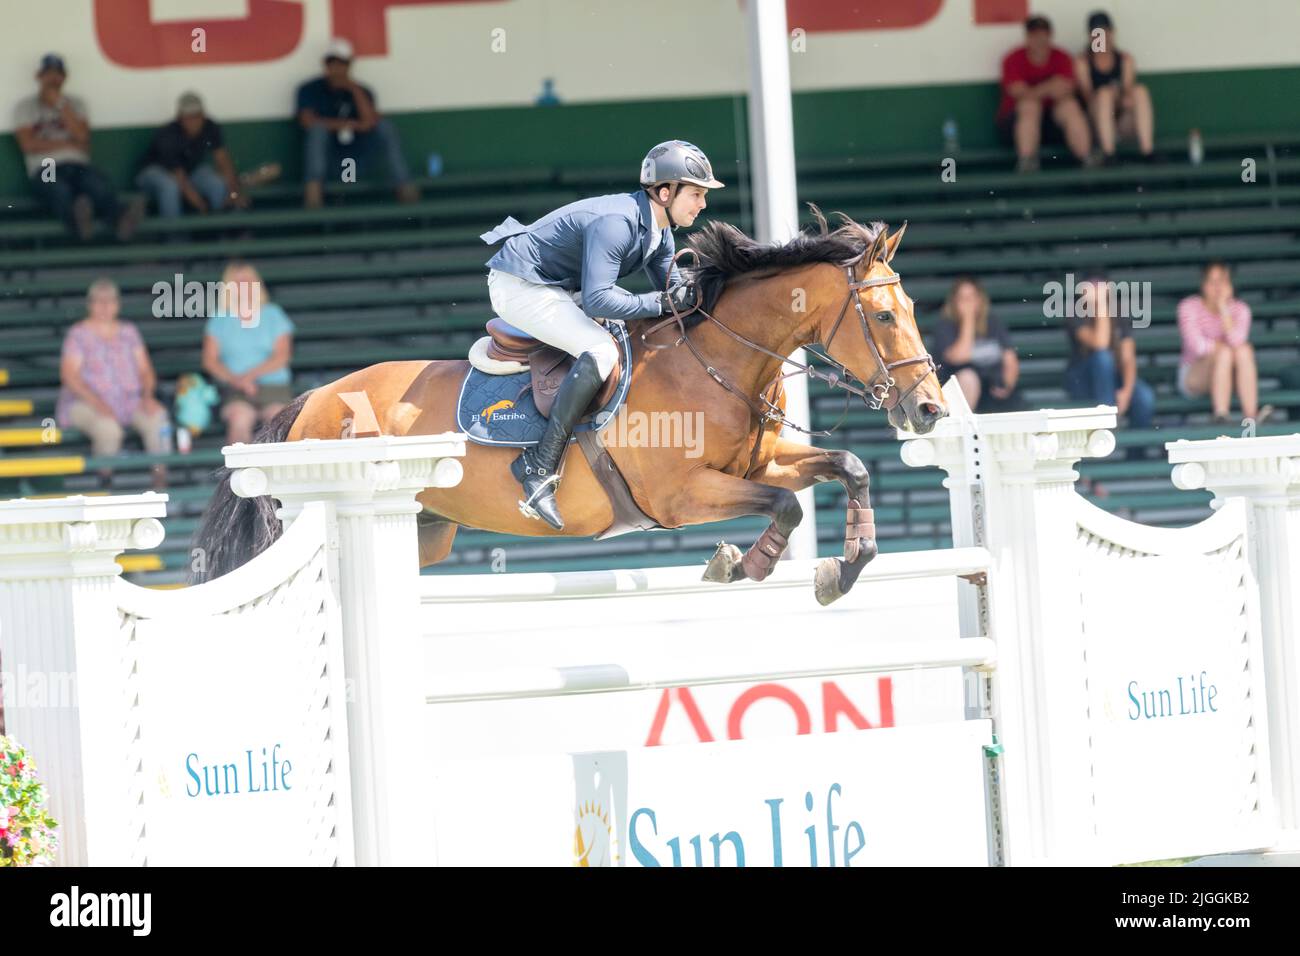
x,y
826,582
724,567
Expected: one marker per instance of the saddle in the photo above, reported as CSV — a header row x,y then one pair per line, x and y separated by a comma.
x,y
506,352
547,364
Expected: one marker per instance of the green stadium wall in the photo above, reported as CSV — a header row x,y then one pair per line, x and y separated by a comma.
x,y
827,123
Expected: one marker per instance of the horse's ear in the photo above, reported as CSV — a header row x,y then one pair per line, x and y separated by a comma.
x,y
891,244
877,247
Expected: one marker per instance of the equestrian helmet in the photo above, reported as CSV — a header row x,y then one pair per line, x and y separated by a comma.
x,y
677,161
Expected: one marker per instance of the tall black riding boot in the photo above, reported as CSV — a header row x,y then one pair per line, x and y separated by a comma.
x,y
536,468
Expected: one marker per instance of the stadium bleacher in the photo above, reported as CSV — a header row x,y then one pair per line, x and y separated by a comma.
x,y
368,280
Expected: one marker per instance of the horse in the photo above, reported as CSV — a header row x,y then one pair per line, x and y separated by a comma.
x,y
722,362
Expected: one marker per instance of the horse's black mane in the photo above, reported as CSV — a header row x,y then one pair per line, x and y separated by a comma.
x,y
725,252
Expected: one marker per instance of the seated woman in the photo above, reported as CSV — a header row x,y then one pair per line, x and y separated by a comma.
x,y
1217,354
976,348
108,382
1116,101
247,349
1103,358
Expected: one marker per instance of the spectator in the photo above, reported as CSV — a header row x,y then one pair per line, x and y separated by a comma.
x,y
341,121
1038,99
976,348
247,351
1103,358
1107,79
53,133
174,168
108,381
1217,353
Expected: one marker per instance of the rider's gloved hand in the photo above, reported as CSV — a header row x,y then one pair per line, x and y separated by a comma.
x,y
684,296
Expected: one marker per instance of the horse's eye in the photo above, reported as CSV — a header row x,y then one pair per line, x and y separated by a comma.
x,y
885,316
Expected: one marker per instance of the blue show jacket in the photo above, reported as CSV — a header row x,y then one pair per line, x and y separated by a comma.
x,y
589,245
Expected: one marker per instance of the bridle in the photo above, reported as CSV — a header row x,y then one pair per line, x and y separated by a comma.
x,y
875,394
883,380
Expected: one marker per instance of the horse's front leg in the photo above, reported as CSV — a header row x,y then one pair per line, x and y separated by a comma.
x,y
707,495
795,466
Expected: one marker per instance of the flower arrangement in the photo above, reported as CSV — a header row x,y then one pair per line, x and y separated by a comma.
x,y
27,836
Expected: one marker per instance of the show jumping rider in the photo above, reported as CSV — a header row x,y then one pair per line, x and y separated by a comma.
x,y
555,279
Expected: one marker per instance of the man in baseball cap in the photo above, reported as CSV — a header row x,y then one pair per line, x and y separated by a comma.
x,y
340,122
53,133
175,170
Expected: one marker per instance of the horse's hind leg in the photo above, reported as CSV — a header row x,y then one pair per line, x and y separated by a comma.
x,y
436,535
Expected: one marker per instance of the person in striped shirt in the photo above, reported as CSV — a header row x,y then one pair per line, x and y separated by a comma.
x,y
1217,354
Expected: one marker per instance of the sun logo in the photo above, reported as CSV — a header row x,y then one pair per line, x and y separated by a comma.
x,y
492,409
594,843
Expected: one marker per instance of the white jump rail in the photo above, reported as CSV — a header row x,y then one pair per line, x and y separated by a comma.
x,y
791,662
978,653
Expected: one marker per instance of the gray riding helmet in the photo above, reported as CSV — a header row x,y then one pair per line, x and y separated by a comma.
x,y
678,161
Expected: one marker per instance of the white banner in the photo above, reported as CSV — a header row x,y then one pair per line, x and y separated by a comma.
x,y
231,770
906,797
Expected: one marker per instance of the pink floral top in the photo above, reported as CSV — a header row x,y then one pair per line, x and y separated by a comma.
x,y
108,367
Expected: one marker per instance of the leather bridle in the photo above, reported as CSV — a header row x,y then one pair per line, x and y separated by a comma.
x,y
875,394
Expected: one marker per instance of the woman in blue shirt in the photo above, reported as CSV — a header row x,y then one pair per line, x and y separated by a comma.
x,y
246,349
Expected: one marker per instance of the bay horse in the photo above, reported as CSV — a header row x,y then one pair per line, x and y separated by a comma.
x,y
759,303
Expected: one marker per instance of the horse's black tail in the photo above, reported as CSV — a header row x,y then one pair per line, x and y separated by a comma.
x,y
235,529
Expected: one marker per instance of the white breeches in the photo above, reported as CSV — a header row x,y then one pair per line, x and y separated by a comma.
x,y
551,315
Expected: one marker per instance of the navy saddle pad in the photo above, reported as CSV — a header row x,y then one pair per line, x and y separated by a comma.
x,y
499,409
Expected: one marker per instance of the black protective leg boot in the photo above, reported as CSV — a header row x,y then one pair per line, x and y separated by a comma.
x,y
536,468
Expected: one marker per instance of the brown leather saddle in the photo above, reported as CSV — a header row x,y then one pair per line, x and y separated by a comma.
x,y
547,364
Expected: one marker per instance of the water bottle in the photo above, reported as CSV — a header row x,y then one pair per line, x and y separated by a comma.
x,y
548,96
165,437
1195,147
950,143
184,441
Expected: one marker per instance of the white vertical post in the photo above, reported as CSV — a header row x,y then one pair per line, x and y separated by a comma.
x,y
65,663
1013,473
776,203
1266,473
371,484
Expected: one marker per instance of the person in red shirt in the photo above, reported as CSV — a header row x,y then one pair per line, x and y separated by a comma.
x,y
1039,101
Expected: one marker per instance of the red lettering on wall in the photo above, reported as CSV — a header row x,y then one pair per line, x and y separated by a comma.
x,y
1001,11
820,16
129,37
803,722
683,694
831,16
363,21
